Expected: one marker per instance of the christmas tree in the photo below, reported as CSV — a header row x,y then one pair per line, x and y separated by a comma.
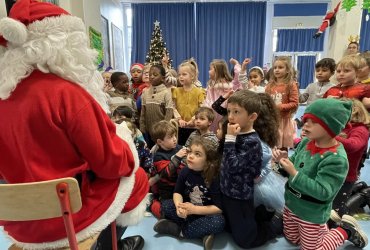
x,y
157,48
348,4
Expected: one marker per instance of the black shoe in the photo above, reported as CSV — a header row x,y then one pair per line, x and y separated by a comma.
x,y
356,202
366,193
276,224
358,186
208,242
262,214
355,234
164,226
131,243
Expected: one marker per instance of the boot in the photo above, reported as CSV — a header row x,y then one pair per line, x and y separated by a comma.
x,y
208,242
356,202
164,226
131,243
358,186
366,193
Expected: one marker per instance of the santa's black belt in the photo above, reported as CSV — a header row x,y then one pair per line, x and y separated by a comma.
x,y
303,196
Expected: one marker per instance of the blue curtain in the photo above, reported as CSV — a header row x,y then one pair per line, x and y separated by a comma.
x,y
299,40
226,30
365,32
223,30
306,69
178,30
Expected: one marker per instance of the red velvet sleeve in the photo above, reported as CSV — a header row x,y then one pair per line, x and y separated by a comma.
x,y
94,136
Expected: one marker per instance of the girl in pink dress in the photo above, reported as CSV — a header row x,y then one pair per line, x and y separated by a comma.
x,y
220,83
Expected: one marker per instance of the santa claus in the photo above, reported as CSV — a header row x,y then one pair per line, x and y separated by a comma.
x,y
53,124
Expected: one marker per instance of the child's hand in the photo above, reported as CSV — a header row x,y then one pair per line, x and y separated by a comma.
x,y
182,152
245,63
233,129
153,180
278,154
188,207
233,61
343,135
182,123
250,85
165,60
191,123
288,166
228,94
181,212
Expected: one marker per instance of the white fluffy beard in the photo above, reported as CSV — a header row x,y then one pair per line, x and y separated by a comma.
x,y
57,45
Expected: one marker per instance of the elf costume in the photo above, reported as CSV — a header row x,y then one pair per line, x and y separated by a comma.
x,y
54,124
321,172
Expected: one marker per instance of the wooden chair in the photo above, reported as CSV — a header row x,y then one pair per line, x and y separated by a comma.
x,y
45,200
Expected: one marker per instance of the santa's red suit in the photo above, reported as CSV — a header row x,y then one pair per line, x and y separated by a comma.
x,y
51,128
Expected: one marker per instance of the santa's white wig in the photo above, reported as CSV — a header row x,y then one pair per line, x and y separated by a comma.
x,y
57,45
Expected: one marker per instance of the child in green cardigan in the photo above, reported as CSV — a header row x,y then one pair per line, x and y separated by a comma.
x,y
316,171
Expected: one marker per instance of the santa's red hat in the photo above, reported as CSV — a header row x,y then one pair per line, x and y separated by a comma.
x,y
24,12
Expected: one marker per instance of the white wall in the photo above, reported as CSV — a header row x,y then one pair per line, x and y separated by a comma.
x,y
298,22
91,10
347,23
112,10
2,9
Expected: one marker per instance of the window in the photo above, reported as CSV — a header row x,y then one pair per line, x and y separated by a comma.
x,y
127,34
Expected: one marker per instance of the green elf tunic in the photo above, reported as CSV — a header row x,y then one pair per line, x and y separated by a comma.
x,y
321,173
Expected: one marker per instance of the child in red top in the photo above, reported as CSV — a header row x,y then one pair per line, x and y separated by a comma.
x,y
348,86
354,139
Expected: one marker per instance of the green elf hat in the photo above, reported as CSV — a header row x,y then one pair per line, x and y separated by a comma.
x,y
332,114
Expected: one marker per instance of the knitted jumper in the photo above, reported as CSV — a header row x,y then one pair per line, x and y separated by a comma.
x,y
314,91
157,105
241,164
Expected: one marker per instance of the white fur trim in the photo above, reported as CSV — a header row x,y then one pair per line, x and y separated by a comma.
x,y
134,216
114,211
13,31
125,133
48,26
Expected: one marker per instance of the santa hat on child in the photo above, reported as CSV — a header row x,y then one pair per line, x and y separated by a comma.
x,y
137,66
331,114
13,29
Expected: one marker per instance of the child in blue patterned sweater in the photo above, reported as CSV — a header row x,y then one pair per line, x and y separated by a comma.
x,y
241,165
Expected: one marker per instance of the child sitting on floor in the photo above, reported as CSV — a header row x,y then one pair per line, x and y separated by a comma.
x,y
195,209
167,161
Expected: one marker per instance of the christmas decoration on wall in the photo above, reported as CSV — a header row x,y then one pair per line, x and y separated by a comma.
x,y
348,4
366,6
354,39
157,47
329,20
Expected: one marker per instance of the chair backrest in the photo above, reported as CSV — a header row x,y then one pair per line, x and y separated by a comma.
x,y
36,200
